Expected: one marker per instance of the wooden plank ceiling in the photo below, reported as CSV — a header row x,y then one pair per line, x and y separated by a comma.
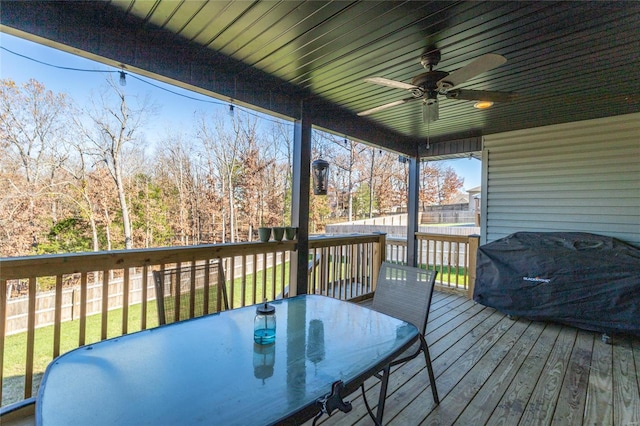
x,y
567,61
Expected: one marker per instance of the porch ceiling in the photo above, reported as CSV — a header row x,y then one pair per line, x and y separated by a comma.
x,y
568,61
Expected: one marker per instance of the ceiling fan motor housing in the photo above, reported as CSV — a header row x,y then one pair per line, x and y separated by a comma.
x,y
427,81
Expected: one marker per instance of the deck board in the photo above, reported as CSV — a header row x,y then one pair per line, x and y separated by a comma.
x,y
626,398
494,388
480,370
570,405
511,406
598,402
543,399
492,370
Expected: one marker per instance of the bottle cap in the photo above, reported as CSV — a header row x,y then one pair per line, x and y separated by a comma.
x,y
266,309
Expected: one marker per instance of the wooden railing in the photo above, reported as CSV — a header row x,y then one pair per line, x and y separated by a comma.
x,y
396,250
345,267
72,300
453,256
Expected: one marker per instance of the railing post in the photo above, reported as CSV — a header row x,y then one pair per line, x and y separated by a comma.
x,y
379,256
474,243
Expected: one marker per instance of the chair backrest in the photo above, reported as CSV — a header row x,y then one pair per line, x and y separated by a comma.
x,y
188,292
404,292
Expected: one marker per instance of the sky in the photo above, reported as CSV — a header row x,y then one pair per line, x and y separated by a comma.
x,y
81,77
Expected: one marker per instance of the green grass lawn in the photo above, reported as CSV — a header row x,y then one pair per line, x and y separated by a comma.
x,y
16,344
454,276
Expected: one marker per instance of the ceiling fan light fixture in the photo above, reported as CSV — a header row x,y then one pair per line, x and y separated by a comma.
x,y
483,104
430,111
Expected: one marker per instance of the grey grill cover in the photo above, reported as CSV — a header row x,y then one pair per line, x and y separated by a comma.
x,y
584,280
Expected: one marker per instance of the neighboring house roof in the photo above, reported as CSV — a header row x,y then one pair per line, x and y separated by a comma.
x,y
460,198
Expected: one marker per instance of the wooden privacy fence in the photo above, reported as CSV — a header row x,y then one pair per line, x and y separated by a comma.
x,y
101,306
17,313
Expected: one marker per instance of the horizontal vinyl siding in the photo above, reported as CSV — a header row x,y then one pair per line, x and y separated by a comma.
x,y
582,176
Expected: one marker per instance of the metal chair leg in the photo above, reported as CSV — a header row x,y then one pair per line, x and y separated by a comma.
x,y
383,393
432,377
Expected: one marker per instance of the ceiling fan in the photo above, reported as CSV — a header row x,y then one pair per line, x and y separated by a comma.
x,y
427,86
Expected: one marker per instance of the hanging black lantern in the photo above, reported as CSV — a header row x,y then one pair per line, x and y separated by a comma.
x,y
320,174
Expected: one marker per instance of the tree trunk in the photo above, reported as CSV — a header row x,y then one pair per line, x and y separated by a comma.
x,y
122,197
232,215
107,227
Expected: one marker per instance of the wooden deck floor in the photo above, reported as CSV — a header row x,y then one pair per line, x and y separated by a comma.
x,y
497,371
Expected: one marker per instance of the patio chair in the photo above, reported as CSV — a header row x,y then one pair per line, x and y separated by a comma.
x,y
404,292
188,292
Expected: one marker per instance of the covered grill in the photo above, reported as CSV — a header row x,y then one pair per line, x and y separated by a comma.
x,y
584,280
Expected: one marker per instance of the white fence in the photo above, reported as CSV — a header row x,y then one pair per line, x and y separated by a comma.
x,y
398,231
396,225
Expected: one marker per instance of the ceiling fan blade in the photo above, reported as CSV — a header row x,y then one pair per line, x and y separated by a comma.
x,y
430,110
481,95
385,106
478,66
390,83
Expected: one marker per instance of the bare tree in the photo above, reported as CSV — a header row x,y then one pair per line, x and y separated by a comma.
x,y
252,181
347,156
32,121
177,169
221,147
216,186
116,125
80,188
371,178
175,160
281,137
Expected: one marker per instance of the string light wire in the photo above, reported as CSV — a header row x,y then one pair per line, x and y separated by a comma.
x,y
157,86
214,102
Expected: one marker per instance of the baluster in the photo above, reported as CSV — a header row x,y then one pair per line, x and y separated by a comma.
x,y
143,298
125,301
105,304
206,286
31,331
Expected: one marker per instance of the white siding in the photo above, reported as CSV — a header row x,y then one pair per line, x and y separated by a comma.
x,y
582,176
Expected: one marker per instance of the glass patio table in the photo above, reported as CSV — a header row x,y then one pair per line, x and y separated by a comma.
x,y
208,370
